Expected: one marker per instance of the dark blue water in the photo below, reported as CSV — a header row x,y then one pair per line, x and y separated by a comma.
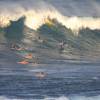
x,y
62,79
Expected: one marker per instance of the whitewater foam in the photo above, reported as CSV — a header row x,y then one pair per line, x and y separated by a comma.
x,y
6,98
37,13
58,98
75,98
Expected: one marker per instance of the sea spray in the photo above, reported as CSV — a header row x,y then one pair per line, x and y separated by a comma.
x,y
36,15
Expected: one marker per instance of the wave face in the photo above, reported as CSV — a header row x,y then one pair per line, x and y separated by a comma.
x,y
23,22
49,35
86,43
34,18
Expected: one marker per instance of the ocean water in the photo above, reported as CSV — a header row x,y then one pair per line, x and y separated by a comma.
x,y
64,80
71,74
64,46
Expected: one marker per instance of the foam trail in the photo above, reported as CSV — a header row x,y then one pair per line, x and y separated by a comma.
x,y
58,98
75,98
6,98
36,13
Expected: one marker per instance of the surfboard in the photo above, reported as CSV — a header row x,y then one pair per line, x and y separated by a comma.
x,y
23,62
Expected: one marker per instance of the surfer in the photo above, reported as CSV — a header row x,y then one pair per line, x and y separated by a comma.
x,y
27,59
40,75
23,62
40,40
29,56
16,47
61,45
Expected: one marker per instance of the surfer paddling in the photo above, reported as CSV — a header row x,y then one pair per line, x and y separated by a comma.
x,y
23,62
40,40
29,56
40,75
16,47
28,59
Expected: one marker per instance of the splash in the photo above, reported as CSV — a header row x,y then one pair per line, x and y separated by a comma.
x,y
36,15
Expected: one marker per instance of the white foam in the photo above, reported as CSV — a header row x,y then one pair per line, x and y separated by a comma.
x,y
75,98
36,13
5,98
58,98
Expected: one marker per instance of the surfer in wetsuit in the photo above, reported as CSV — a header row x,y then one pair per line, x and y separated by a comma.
x,y
61,46
16,47
29,56
27,59
40,40
40,75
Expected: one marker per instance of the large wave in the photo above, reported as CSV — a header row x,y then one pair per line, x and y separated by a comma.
x,y
53,32
44,20
36,13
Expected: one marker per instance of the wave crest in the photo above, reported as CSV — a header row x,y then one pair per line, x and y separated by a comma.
x,y
36,13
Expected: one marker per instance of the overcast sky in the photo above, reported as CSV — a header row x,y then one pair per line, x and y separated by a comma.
x,y
66,7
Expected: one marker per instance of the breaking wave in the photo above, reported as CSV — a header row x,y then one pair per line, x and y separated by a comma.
x,y
51,33
36,13
26,21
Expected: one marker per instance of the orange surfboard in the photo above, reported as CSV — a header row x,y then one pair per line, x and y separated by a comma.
x,y
23,62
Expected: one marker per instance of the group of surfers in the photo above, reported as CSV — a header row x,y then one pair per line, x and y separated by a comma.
x,y
29,56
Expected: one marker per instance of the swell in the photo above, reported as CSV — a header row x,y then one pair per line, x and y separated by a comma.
x,y
48,36
36,13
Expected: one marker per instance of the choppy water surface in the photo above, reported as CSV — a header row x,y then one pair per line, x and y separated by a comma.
x,y
71,70
64,80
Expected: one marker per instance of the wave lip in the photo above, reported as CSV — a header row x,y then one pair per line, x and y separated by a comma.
x,y
36,13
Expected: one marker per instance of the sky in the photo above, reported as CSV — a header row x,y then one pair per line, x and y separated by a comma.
x,y
66,7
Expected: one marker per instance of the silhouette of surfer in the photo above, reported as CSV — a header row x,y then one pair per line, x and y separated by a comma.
x,y
16,47
40,40
61,46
